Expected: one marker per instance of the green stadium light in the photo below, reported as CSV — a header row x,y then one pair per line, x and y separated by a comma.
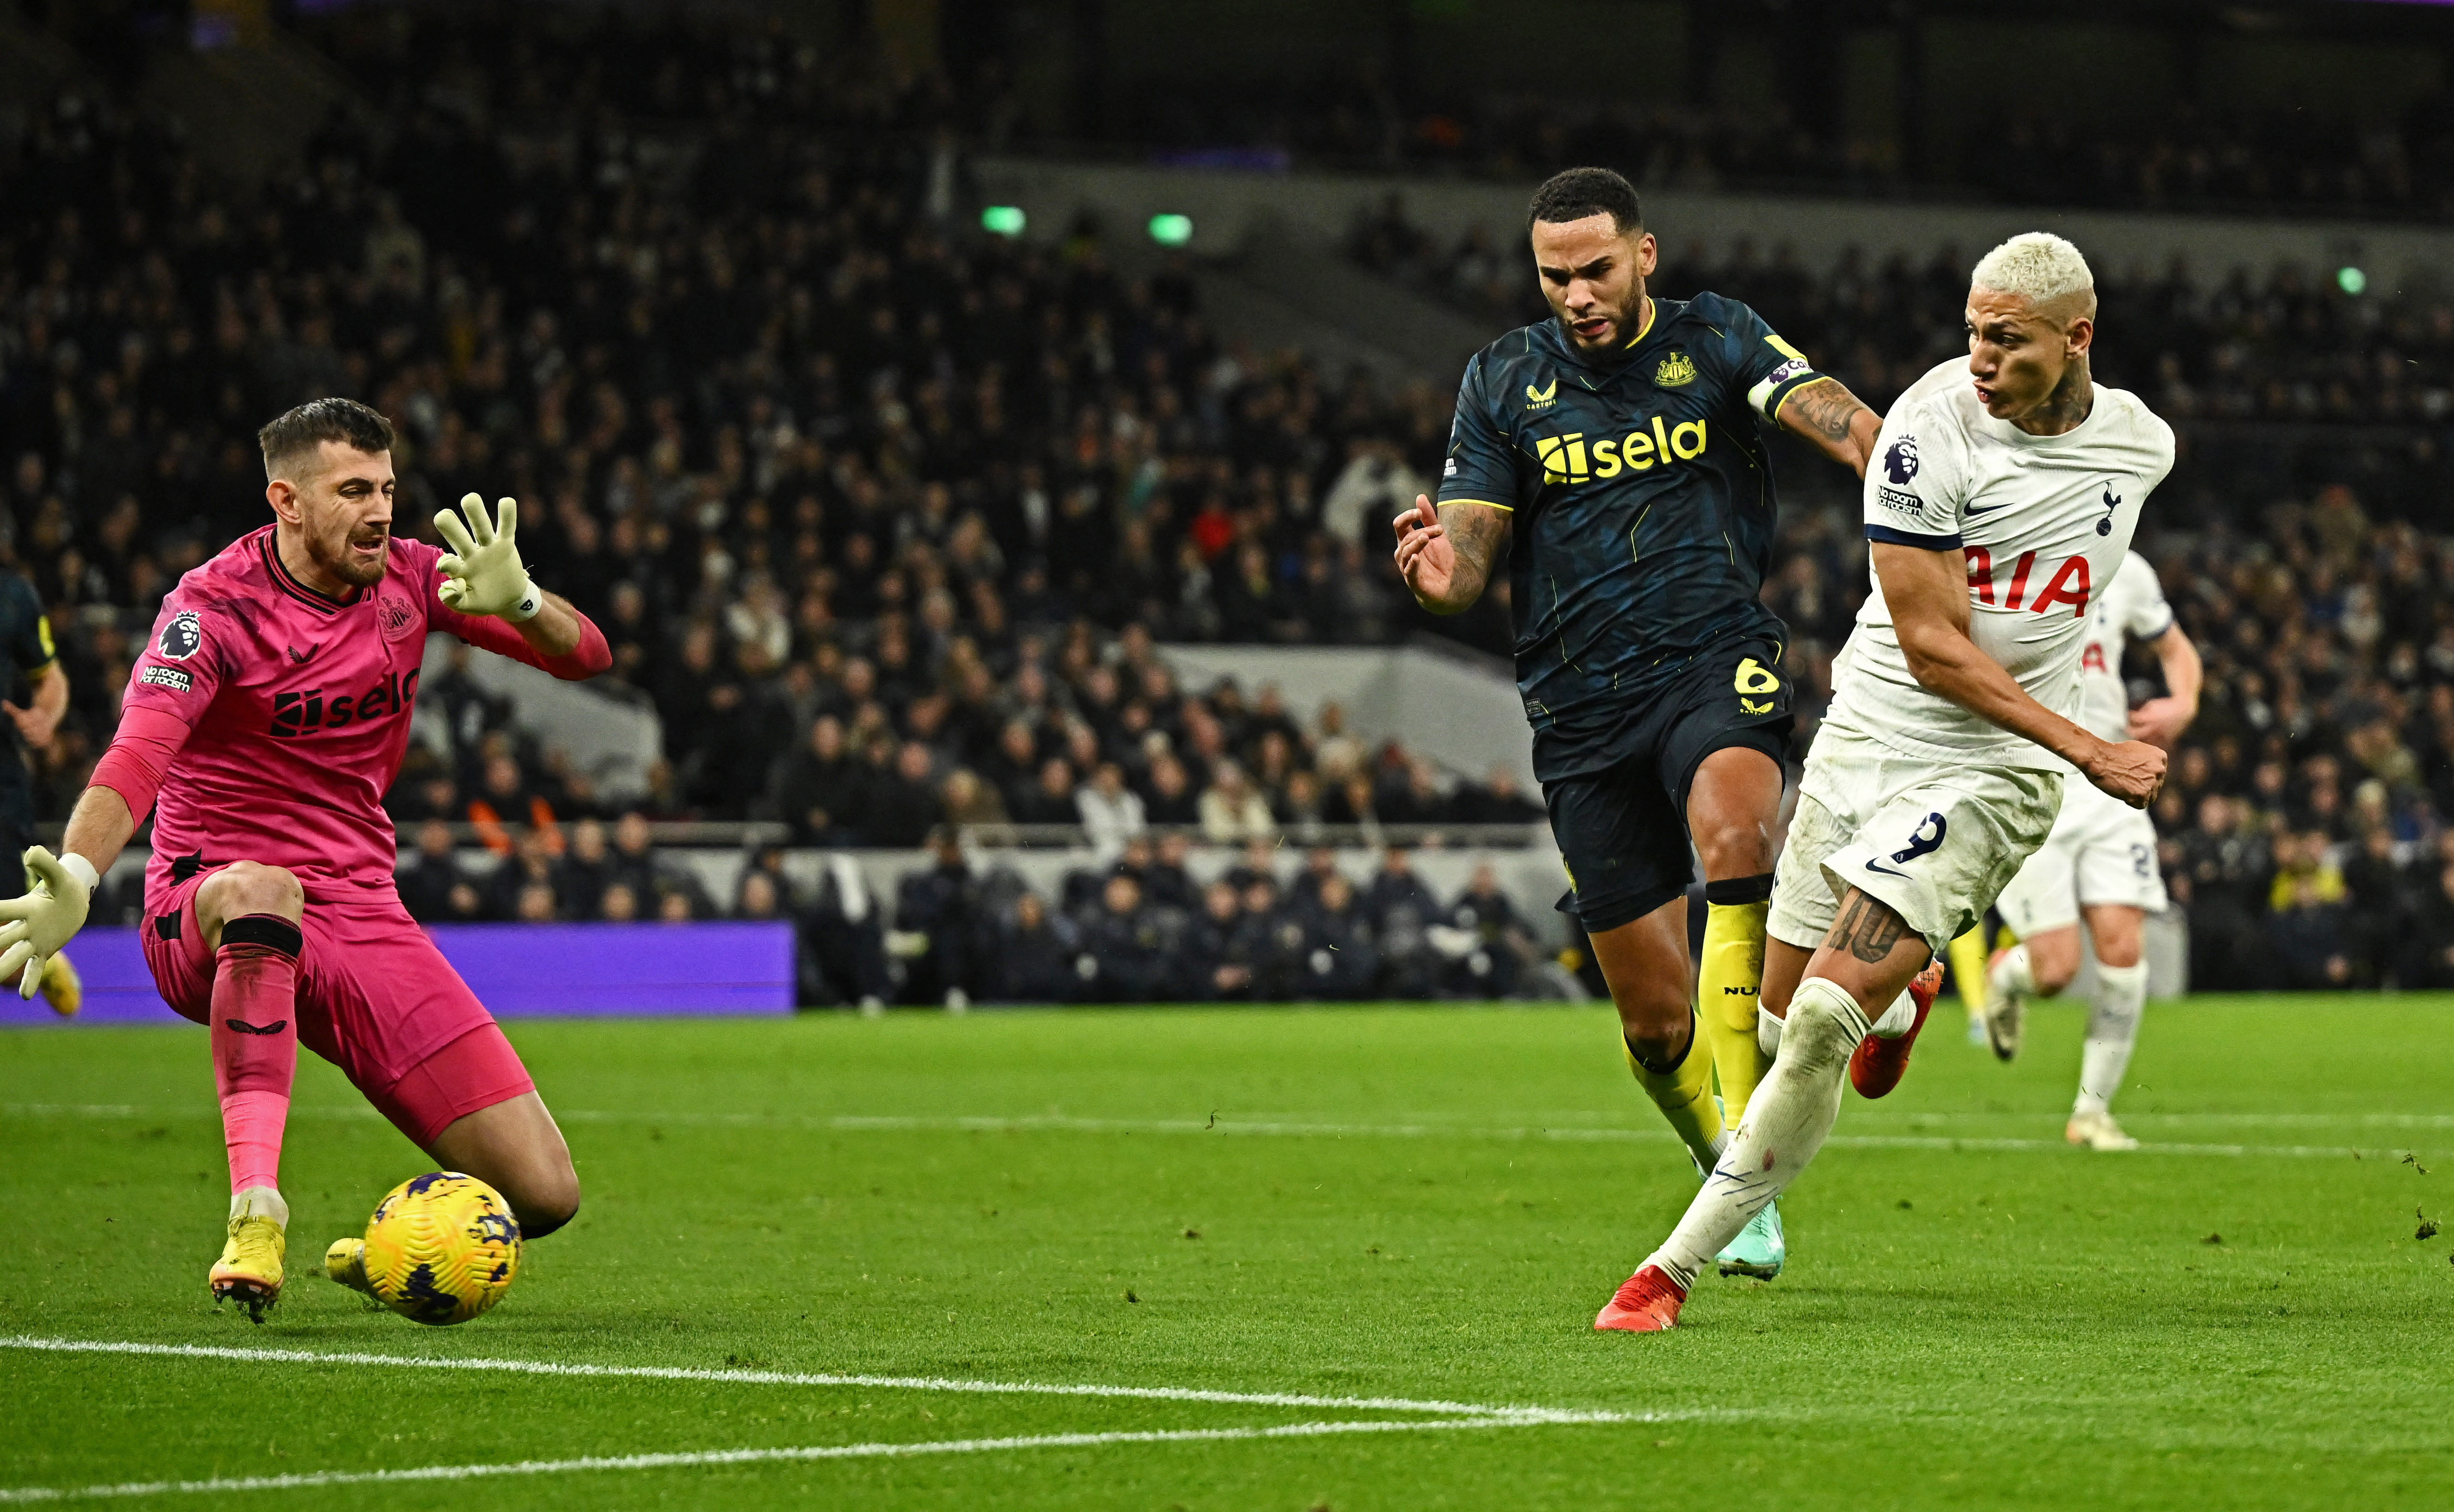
x,y
2351,280
1004,219
1171,230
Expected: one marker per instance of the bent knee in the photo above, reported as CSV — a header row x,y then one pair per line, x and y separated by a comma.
x,y
248,886
546,1205
1739,848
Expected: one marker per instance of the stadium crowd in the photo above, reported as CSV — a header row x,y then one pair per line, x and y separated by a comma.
x,y
886,517
2182,158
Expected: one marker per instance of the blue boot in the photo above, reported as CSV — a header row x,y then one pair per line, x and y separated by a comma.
x,y
1759,1249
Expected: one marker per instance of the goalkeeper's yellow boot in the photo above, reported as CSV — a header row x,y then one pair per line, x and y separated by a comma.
x,y
346,1263
249,1272
61,986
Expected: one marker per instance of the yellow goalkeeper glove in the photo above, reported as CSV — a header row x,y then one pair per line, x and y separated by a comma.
x,y
51,911
483,574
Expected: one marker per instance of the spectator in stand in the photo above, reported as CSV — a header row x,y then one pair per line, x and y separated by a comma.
x,y
819,791
1487,946
898,809
532,865
427,882
2427,959
1339,957
1401,910
2379,892
970,803
1124,956
1219,957
1166,882
1274,940
844,941
1497,800
587,869
1035,954
1412,796
1168,798
2307,923
1259,863
1109,812
536,904
939,912
634,856
2223,882
1321,864
1050,798
619,904
1232,811
758,899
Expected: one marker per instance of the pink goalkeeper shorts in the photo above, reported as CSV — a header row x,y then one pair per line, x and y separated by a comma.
x,y
375,997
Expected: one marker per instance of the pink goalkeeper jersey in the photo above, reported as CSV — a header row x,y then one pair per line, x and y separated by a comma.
x,y
297,707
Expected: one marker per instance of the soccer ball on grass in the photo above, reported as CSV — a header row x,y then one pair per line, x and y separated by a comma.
x,y
442,1248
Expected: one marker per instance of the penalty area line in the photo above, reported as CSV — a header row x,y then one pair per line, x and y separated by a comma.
x,y
786,1378
721,1457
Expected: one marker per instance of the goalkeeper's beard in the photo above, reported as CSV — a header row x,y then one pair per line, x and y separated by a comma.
x,y
356,568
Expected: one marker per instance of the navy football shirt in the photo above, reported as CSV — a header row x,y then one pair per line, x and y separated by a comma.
x,y
1643,508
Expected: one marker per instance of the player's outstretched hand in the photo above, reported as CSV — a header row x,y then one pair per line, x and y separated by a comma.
x,y
1426,557
2131,770
59,890
483,574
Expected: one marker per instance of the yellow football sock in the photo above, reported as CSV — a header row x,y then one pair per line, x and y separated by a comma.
x,y
1684,1094
1968,969
1729,978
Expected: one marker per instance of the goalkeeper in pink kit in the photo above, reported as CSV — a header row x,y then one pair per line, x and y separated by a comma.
x,y
262,725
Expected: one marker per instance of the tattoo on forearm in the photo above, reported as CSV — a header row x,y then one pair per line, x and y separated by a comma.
x,y
1475,533
1866,929
1825,409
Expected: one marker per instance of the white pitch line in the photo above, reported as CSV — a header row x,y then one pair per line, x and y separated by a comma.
x,y
699,1459
1058,1123
772,1378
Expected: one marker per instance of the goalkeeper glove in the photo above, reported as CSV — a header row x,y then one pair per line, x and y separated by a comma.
x,y
59,889
483,574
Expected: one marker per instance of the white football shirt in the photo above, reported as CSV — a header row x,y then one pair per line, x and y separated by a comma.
x,y
2131,609
2042,523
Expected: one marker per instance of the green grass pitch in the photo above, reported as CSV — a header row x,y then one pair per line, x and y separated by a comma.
x,y
1417,1204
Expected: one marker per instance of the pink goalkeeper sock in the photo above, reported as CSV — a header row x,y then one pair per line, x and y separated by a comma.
x,y
255,1042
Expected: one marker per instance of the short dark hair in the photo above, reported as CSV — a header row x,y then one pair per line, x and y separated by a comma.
x,y
1578,192
294,433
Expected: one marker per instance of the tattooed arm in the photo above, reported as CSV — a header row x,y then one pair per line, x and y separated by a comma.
x,y
1447,561
1830,416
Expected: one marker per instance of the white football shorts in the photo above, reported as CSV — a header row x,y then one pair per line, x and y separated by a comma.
x,y
1935,842
2101,851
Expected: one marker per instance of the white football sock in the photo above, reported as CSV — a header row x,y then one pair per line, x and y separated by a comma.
x,y
2112,1029
2011,976
1898,1020
1786,1122
260,1201
1768,1033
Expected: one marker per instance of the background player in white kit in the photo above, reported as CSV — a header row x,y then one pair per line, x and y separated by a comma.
x,y
2099,860
1997,508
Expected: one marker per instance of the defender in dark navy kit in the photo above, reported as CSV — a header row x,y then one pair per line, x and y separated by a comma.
x,y
25,637
1614,452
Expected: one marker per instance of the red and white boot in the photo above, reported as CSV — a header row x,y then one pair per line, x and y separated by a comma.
x,y
1877,1063
1646,1303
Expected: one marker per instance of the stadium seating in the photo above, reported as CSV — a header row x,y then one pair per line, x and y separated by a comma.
x,y
883,514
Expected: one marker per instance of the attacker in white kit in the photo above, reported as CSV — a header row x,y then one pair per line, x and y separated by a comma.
x,y
2003,501
2100,860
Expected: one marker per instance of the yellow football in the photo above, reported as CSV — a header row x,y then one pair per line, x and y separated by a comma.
x,y
442,1248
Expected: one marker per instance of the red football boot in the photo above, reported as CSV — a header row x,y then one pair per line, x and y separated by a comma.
x,y
1877,1064
1646,1303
